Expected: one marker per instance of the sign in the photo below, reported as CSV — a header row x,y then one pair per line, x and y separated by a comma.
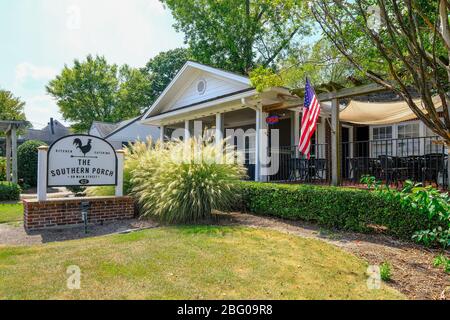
x,y
272,119
81,160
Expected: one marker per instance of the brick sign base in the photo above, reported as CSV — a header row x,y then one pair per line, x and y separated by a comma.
x,y
67,211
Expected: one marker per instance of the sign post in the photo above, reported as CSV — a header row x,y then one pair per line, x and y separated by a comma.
x,y
119,186
42,173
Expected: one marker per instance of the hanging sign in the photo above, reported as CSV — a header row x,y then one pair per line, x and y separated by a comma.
x,y
272,119
81,160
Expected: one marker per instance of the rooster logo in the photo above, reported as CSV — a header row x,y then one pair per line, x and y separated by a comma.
x,y
79,145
